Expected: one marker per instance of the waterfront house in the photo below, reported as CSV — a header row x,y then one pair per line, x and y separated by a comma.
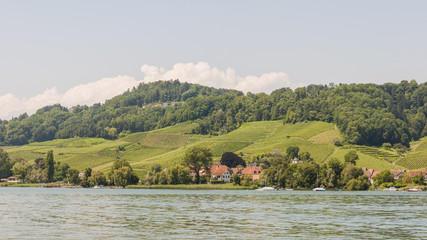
x,y
370,173
253,171
397,173
413,174
237,171
221,172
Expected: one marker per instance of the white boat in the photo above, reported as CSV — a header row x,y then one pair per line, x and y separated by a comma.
x,y
266,189
414,190
319,189
390,189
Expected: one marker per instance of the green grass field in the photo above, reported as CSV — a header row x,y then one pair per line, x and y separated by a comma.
x,y
167,147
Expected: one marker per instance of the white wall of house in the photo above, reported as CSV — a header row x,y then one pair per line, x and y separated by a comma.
x,y
227,176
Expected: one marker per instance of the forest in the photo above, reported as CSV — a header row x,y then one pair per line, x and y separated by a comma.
x,y
366,114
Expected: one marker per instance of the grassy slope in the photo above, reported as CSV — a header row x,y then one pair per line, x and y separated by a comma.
x,y
167,146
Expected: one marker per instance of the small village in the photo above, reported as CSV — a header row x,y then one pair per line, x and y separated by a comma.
x,y
225,174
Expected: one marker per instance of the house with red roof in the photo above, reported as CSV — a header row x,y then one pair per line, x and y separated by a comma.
x,y
237,171
221,172
370,173
397,173
412,174
254,171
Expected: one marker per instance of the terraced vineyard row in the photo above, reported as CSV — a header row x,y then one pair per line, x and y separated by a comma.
x,y
389,157
416,160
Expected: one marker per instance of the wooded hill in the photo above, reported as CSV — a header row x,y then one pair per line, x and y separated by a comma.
x,y
366,114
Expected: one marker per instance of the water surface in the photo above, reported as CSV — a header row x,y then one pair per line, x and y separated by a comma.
x,y
210,214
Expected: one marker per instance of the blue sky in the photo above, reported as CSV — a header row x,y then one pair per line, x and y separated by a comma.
x,y
70,49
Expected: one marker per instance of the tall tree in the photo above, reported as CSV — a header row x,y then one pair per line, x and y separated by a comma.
x,y
50,166
5,164
196,158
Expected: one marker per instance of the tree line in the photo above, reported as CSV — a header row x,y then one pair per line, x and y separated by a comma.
x,y
47,170
366,114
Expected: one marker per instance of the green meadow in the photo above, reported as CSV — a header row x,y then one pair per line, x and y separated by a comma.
x,y
167,147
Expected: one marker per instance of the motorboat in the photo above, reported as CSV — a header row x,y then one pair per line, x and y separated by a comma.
x,y
266,189
319,189
390,189
414,190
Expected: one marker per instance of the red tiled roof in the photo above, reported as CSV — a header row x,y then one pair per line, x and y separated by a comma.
x,y
252,171
414,173
397,172
237,170
219,170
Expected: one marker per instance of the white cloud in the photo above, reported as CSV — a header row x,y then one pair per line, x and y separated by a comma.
x,y
94,92
202,73
106,88
99,91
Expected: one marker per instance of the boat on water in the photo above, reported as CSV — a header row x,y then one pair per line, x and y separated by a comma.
x,y
319,189
414,190
289,189
266,189
390,189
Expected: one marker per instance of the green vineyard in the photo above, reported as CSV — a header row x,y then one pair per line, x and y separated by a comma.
x,y
374,152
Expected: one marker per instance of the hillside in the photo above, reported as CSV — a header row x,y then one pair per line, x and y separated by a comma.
x,y
366,114
167,146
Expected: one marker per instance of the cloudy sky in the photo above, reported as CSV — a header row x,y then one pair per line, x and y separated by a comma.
x,y
83,52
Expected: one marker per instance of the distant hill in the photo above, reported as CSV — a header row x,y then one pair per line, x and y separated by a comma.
x,y
167,146
365,114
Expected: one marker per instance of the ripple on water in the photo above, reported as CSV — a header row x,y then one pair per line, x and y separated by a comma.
x,y
189,214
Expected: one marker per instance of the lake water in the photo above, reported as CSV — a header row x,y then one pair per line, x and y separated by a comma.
x,y
213,214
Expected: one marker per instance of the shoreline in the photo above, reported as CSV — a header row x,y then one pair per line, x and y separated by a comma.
x,y
228,186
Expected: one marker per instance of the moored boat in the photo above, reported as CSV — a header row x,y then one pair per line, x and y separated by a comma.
x,y
414,190
266,189
319,189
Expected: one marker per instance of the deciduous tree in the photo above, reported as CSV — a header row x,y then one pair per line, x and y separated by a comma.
x,y
196,158
232,160
351,157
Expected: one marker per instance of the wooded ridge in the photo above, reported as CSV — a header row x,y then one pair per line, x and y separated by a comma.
x,y
366,114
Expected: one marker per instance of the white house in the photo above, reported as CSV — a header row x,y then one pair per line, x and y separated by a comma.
x,y
221,172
